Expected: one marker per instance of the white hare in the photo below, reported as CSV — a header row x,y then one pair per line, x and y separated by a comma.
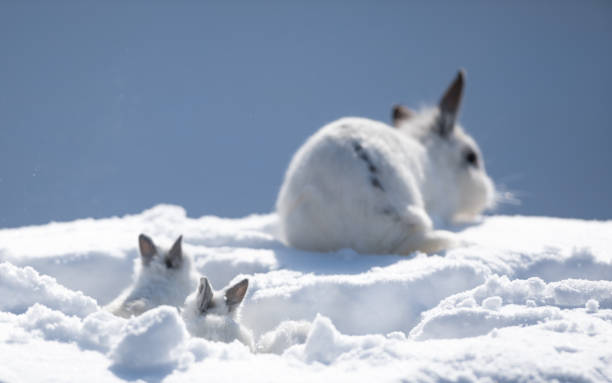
x,y
162,278
362,184
214,315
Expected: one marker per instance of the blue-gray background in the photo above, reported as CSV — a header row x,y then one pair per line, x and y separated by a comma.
x,y
108,108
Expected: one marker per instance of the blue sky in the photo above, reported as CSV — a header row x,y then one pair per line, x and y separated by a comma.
x,y
108,108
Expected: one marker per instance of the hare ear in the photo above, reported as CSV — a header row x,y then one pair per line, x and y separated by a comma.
x,y
147,248
400,114
235,294
205,294
175,255
449,105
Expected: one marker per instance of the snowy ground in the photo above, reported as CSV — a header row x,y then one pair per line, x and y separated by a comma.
x,y
530,299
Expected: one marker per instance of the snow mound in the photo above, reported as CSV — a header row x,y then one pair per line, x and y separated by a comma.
x,y
149,341
287,334
503,303
526,299
20,288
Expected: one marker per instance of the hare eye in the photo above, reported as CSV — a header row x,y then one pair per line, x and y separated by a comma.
x,y
471,157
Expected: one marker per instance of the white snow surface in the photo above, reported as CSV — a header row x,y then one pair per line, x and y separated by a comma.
x,y
526,299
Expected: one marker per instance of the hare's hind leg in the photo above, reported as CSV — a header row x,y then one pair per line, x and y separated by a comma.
x,y
430,242
420,235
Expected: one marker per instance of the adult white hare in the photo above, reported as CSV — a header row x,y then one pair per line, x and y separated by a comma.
x,y
365,185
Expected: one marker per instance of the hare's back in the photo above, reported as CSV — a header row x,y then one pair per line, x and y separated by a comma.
x,y
349,181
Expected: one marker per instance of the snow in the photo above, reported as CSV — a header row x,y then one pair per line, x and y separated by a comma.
x,y
21,288
138,346
525,299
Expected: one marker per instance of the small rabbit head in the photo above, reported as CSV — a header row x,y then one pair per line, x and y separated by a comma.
x,y
154,259
457,187
161,278
214,315
226,303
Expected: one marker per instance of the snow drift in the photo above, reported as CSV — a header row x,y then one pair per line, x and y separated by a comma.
x,y
529,299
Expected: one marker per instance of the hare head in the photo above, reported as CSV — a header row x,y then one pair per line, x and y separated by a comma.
x,y
457,187
161,278
226,303
213,315
153,259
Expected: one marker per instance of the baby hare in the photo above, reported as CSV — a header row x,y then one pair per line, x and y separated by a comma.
x,y
214,315
162,278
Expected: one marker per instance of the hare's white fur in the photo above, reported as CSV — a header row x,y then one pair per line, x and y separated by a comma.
x,y
219,323
362,184
155,284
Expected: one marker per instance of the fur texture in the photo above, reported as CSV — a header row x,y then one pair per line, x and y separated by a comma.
x,y
362,184
161,278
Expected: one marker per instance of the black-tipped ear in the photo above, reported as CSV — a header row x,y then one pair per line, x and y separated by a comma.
x,y
400,114
147,248
175,255
235,294
205,294
450,103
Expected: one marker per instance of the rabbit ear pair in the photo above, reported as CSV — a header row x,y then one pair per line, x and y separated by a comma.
x,y
448,105
173,259
233,296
